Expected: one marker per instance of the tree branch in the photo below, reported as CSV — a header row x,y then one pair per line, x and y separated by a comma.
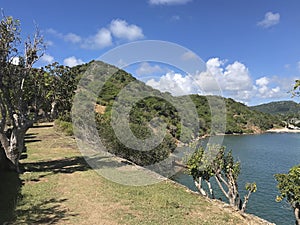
x,y
221,187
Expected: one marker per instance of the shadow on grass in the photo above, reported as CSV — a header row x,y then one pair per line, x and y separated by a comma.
x,y
44,212
31,137
46,168
42,125
31,209
67,165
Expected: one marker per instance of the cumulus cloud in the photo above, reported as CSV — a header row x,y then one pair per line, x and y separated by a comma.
x,y
147,69
271,19
47,59
118,29
175,83
73,38
72,61
121,29
168,2
270,88
229,79
263,81
100,40
237,77
234,79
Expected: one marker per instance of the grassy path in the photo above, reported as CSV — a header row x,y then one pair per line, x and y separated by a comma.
x,y
59,188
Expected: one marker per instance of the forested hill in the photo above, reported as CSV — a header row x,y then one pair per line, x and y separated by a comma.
x,y
239,118
280,107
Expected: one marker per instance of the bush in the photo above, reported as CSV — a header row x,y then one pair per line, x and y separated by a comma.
x,y
64,126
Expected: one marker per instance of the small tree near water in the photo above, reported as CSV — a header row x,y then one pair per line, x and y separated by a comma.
x,y
218,164
289,187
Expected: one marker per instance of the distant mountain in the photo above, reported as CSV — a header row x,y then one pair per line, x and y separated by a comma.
x,y
280,107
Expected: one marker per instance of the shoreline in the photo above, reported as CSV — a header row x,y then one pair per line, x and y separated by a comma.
x,y
282,130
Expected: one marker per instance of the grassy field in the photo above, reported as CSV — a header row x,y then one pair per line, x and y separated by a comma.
x,y
59,188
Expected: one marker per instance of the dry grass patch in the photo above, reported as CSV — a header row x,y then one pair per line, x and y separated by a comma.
x,y
60,188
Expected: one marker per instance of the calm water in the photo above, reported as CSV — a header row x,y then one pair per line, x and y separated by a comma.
x,y
261,157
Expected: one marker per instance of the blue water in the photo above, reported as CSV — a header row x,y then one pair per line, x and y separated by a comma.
x,y
261,157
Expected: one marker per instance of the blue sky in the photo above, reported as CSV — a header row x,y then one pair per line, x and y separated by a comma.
x,y
252,47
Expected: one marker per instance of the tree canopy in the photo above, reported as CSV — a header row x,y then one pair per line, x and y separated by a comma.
x,y
219,164
289,187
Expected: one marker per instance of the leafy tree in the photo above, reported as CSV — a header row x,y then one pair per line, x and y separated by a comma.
x,y
289,187
219,164
23,89
296,89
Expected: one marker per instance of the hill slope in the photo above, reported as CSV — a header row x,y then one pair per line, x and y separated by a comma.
x,y
280,107
163,107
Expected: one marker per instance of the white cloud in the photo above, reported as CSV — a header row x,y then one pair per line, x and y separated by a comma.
x,y
271,19
168,2
118,29
214,66
53,32
15,60
121,29
72,61
233,79
263,81
273,87
175,83
147,69
189,55
73,38
47,59
237,77
100,40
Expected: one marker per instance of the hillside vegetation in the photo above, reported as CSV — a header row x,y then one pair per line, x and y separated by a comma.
x,y
240,119
280,107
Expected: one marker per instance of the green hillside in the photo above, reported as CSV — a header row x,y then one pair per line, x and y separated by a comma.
x,y
280,107
164,107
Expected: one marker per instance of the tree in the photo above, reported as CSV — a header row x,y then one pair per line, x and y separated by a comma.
x,y
22,88
296,89
289,187
218,164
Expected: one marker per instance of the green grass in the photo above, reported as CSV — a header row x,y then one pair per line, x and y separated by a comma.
x,y
58,187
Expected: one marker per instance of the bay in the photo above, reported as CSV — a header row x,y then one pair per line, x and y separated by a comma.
x,y
261,157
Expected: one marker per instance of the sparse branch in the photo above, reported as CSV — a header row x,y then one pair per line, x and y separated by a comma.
x,y
221,186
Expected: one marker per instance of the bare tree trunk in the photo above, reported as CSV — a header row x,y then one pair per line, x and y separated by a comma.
x,y
246,199
210,189
13,146
198,184
53,113
217,177
297,215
